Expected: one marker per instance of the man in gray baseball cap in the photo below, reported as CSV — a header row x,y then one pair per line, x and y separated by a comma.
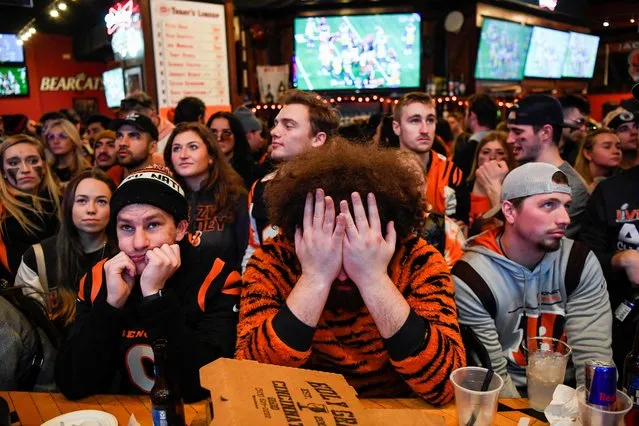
x,y
524,279
534,131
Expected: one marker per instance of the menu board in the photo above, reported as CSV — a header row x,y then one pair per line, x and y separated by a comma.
x,y
189,41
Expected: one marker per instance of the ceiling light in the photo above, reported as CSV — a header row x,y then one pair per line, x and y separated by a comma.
x,y
632,20
32,30
54,13
20,42
606,23
62,6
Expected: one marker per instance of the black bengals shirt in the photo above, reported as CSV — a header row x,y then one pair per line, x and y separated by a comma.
x,y
108,350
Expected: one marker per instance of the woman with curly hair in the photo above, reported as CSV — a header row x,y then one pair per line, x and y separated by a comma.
x,y
29,200
231,138
218,207
348,286
65,146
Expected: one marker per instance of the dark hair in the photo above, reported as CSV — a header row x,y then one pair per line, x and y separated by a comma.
x,y
322,116
224,182
410,98
242,160
573,101
69,248
99,118
51,115
484,108
556,131
442,129
340,168
354,132
387,136
189,109
71,115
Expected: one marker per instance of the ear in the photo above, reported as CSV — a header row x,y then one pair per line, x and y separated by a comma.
x,y
153,147
545,133
587,155
181,230
510,212
397,129
319,139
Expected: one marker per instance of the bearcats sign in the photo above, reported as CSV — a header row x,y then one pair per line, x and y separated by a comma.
x,y
75,83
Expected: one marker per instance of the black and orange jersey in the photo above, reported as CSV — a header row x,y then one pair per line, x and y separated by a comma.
x,y
260,228
14,240
418,358
446,191
215,234
108,350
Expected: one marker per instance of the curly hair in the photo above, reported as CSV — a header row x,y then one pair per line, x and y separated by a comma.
x,y
341,168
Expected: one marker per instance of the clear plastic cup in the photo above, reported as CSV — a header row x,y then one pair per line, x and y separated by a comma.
x,y
593,416
547,359
470,400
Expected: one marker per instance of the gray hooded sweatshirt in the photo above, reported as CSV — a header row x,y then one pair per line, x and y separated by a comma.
x,y
534,303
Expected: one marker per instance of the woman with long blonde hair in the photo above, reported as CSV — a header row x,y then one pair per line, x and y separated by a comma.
x,y
65,147
29,200
599,156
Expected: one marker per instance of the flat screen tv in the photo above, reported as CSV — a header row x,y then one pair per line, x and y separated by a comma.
x,y
581,56
357,52
10,50
502,50
546,53
113,82
13,81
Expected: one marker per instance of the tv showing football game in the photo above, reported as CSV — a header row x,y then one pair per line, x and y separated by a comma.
x,y
113,82
13,81
581,56
10,50
546,53
357,52
502,50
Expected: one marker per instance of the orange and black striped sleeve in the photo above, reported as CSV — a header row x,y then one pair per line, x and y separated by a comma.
x,y
426,284
265,321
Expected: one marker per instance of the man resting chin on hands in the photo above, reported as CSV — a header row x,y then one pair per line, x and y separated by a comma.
x,y
157,286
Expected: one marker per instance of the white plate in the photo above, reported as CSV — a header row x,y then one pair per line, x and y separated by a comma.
x,y
83,418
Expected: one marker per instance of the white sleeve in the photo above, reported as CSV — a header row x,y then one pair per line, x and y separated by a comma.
x,y
28,278
253,242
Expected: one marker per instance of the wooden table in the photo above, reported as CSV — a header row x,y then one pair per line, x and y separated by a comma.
x,y
34,408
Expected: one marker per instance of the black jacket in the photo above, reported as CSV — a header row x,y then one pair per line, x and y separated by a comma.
x,y
108,350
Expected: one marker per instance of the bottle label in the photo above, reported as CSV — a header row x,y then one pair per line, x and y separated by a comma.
x,y
623,310
160,417
633,390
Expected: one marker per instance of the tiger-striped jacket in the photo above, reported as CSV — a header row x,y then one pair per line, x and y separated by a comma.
x,y
418,358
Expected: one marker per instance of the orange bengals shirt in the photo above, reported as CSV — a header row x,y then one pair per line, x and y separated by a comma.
x,y
443,178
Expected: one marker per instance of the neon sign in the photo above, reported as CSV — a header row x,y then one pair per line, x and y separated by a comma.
x,y
124,14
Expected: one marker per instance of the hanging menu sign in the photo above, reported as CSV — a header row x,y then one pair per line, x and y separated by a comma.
x,y
189,40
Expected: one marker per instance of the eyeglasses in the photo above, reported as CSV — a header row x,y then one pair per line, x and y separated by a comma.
x,y
222,135
577,122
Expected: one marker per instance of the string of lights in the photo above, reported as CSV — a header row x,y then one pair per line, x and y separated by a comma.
x,y
54,10
385,100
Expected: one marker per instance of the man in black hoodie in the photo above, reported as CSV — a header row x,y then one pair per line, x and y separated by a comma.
x,y
155,287
611,228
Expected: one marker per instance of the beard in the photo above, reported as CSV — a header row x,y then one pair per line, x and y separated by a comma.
x,y
549,245
341,298
132,162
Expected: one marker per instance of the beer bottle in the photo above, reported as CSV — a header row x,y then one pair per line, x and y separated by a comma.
x,y
631,380
167,404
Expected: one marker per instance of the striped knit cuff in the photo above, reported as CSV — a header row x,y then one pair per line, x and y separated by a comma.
x,y
408,339
293,332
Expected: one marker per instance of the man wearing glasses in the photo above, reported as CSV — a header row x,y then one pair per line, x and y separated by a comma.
x,y
624,124
576,110
142,103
